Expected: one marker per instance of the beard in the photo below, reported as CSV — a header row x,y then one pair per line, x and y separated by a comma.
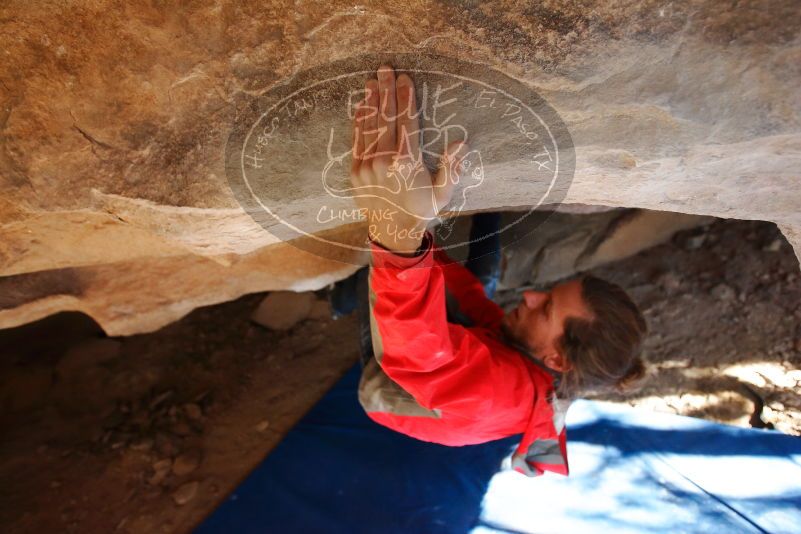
x,y
517,341
506,331
510,335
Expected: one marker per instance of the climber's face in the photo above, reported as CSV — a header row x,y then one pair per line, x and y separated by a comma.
x,y
539,321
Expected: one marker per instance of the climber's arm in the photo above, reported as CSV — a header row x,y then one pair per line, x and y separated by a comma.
x,y
444,366
468,292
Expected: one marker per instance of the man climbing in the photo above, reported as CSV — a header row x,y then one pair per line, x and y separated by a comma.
x,y
443,362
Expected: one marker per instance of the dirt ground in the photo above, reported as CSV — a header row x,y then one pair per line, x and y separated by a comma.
x,y
148,433
723,305
151,438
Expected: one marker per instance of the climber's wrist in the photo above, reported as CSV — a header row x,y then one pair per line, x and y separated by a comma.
x,y
402,239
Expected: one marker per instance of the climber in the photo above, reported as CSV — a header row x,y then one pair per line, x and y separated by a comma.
x,y
442,362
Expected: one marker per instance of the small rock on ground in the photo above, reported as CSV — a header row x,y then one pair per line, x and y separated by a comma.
x,y
185,493
695,242
281,310
186,463
161,468
723,292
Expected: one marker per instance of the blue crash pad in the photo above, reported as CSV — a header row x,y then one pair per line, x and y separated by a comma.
x,y
631,471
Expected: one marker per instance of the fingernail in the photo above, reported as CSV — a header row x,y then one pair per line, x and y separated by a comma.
x,y
405,80
385,71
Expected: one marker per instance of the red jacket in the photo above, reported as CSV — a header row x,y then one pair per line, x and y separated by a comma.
x,y
446,383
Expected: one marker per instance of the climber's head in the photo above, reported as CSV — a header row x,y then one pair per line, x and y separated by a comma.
x,y
587,329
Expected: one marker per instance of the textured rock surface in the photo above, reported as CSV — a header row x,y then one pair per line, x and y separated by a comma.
x,y
113,124
551,246
597,242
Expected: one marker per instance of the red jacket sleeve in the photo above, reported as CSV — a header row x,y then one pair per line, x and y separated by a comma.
x,y
443,366
468,292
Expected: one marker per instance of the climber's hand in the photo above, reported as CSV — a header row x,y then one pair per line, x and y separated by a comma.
x,y
392,183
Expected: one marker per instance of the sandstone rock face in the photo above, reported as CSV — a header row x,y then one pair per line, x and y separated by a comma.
x,y
114,124
553,245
